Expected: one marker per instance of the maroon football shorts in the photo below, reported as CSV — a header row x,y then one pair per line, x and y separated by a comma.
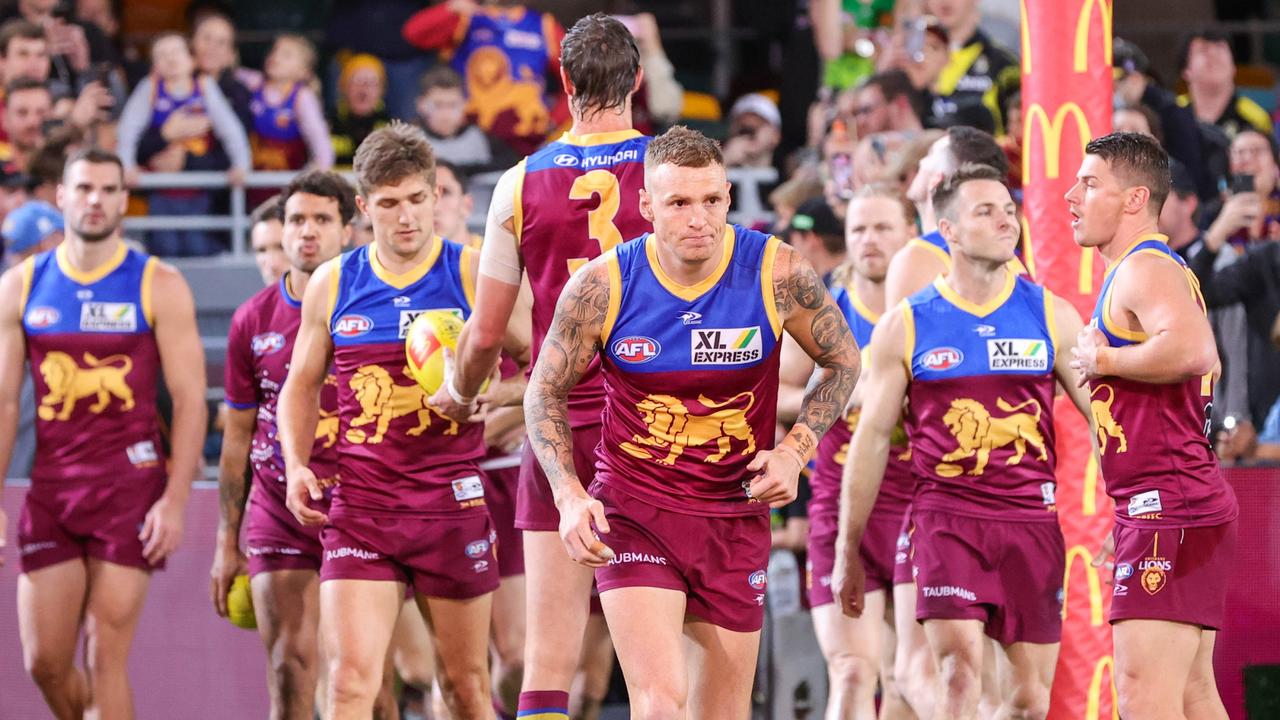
x,y
903,569
438,556
500,497
275,540
1173,573
718,562
535,504
1006,574
63,521
879,544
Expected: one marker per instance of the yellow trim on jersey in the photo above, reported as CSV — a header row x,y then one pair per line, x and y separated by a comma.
x,y
1252,113
1114,328
148,274
28,272
605,138
334,275
403,280
957,68
861,308
973,308
1050,318
766,285
1111,266
937,251
517,203
615,295
908,335
91,276
690,293
468,277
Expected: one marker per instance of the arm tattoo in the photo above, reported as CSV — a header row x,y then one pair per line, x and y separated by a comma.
x,y
233,493
806,287
567,352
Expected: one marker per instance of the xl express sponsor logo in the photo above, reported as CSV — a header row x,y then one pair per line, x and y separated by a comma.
x,y
1018,354
726,346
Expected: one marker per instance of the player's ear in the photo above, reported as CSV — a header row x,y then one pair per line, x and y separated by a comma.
x,y
361,205
639,80
946,229
569,89
1136,199
646,205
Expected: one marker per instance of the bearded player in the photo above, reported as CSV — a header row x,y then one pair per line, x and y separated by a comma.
x,y
686,473
1149,360
100,324
550,214
284,557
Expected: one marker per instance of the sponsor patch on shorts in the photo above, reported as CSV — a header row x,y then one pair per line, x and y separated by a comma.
x,y
1145,503
468,488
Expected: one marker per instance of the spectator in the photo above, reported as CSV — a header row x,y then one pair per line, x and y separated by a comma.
x,y
885,102
361,91
266,239
13,190
454,204
1206,63
32,228
213,43
74,46
919,47
755,129
45,172
442,115
28,104
818,235
509,56
661,98
804,185
1252,212
978,70
374,27
189,111
289,130
1138,119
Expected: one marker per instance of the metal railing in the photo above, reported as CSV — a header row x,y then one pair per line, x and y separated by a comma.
x,y
749,206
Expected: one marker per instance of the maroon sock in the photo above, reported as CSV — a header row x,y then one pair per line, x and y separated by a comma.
x,y
544,705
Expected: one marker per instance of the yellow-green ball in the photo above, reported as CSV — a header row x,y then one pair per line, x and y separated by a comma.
x,y
240,604
424,344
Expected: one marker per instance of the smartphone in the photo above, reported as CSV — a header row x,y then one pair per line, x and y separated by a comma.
x,y
842,174
1241,184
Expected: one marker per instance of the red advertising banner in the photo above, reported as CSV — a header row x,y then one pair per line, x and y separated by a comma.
x,y
1066,101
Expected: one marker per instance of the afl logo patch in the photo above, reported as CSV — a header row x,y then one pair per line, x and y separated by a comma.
x,y
943,358
758,579
636,349
477,549
565,160
352,325
267,343
42,317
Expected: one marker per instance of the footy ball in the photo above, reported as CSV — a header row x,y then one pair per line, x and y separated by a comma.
x,y
424,346
240,604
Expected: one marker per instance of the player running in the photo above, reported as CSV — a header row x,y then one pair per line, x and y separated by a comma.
x,y
284,557
687,321
1149,360
557,209
100,324
984,348
409,509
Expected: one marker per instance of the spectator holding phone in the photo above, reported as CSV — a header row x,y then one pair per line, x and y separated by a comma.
x,y
1251,212
755,129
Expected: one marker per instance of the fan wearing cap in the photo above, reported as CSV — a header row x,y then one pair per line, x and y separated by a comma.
x,y
818,235
755,129
34,227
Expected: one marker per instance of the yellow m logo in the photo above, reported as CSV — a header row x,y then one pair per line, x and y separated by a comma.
x,y
1080,55
1105,669
1051,136
1082,553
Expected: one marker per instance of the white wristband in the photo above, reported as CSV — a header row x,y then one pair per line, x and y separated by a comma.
x,y
457,396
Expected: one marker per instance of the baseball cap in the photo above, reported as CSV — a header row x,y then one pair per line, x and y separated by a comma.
x,y
757,104
1183,183
1127,58
12,177
816,216
29,224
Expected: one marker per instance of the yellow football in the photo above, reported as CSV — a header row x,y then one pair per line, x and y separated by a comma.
x,y
424,345
240,604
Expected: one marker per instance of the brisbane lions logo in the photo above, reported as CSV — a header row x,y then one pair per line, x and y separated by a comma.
x,y
978,433
382,400
68,383
672,427
1106,422
492,90
327,426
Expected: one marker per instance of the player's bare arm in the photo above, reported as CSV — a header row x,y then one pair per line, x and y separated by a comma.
x,y
182,362
12,357
794,370
811,317
884,390
911,270
568,350
1151,295
299,402
233,492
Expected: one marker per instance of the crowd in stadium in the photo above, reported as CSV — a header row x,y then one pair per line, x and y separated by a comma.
x,y
875,99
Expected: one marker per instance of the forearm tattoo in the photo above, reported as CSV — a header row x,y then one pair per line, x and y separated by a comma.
x,y
837,357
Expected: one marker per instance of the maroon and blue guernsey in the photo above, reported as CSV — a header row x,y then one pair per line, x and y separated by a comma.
x,y
576,198
691,376
94,359
397,455
980,403
898,484
1156,457
259,346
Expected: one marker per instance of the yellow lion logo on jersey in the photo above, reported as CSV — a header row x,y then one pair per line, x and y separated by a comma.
x,y
1106,422
491,90
68,383
978,433
673,427
382,400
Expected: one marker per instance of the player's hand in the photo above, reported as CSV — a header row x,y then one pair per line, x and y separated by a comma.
x,y
1106,557
4,528
301,487
228,562
442,401
778,480
504,393
1085,353
849,580
162,529
577,513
